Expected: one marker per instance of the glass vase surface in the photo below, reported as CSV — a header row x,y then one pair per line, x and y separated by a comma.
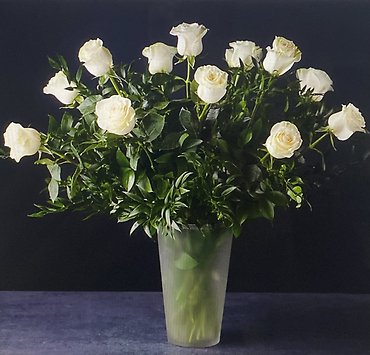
x,y
194,271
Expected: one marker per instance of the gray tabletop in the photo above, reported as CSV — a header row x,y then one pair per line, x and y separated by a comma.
x,y
100,323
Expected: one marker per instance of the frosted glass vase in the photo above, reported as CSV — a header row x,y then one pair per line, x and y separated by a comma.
x,y
194,270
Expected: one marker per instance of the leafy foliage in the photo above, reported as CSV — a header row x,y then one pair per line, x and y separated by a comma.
x,y
185,162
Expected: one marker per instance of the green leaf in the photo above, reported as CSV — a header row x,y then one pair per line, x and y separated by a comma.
x,y
74,187
137,210
160,79
167,215
89,118
128,178
132,89
266,208
162,187
192,158
252,173
67,122
44,161
193,92
143,183
185,262
53,189
182,178
134,197
191,143
171,141
165,158
278,198
53,63
222,144
212,114
108,90
88,105
245,136
174,225
187,122
103,79
133,155
257,127
63,63
121,159
148,231
79,73
175,86
286,107
54,171
236,228
191,61
161,105
183,138
134,227
153,125
242,214
77,155
228,191
296,194
53,124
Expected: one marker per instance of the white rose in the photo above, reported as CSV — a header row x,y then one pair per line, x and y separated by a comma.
x,y
242,51
281,57
189,37
284,140
58,85
212,83
160,57
96,58
346,122
115,115
21,141
316,80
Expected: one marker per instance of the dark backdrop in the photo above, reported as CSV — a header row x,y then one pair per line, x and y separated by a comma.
x,y
326,250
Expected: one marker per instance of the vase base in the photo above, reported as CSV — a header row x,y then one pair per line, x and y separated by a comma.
x,y
203,343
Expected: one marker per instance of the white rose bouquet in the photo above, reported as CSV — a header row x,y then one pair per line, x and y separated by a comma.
x,y
217,147
205,152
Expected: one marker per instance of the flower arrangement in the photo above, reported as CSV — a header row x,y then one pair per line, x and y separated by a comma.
x,y
194,155
215,147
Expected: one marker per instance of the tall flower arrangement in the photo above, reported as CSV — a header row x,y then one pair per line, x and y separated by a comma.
x,y
217,147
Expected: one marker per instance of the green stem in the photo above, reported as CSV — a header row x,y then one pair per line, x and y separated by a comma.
x,y
187,81
62,156
236,79
115,85
318,140
149,158
204,112
261,94
271,162
119,91
264,157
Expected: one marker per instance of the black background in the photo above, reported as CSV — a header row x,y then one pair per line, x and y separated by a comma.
x,y
326,250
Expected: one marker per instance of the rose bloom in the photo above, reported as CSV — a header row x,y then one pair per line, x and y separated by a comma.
x,y
212,83
115,115
284,140
96,58
189,37
58,85
346,122
281,57
242,51
21,141
160,57
316,80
